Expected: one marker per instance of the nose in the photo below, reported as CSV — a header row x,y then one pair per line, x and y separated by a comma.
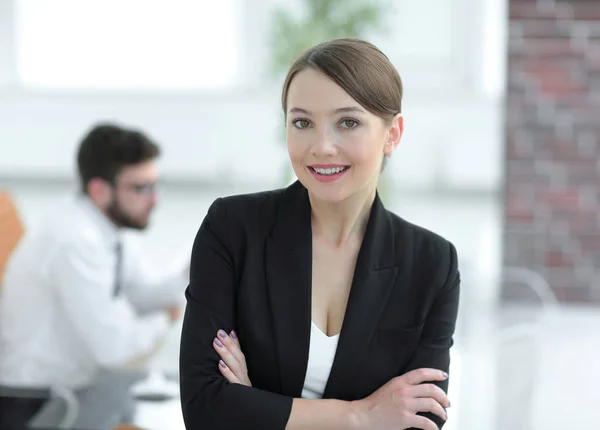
x,y
154,199
324,144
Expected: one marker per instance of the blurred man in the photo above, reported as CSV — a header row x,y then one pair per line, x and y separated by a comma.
x,y
76,301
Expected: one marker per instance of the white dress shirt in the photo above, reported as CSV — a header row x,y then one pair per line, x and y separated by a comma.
x,y
59,319
321,354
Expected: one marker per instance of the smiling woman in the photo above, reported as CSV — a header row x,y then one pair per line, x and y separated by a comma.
x,y
294,292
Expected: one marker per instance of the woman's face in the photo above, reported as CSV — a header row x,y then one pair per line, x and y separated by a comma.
x,y
335,145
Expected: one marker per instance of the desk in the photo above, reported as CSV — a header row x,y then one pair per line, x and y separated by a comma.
x,y
159,416
162,415
166,358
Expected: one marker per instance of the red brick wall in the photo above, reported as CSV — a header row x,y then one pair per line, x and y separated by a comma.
x,y
552,189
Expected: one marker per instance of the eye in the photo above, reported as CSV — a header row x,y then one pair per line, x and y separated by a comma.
x,y
349,123
301,123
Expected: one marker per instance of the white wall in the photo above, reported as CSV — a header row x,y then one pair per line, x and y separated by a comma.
x,y
453,125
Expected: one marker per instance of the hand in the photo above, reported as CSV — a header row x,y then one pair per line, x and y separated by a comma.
x,y
233,362
174,313
396,404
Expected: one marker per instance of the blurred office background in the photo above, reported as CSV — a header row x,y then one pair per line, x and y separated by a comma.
x,y
500,155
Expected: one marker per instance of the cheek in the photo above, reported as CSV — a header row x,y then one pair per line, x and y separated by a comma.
x,y
129,203
120,198
296,147
365,150
367,163
125,205
140,208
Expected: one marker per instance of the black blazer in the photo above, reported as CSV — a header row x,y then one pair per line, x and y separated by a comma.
x,y
251,271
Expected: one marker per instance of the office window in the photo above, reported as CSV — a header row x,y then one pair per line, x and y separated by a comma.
x,y
494,42
6,44
127,44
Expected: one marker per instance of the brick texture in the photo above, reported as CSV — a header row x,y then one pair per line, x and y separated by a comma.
x,y
552,189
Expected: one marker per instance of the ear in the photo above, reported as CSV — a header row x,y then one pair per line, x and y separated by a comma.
x,y
100,192
395,131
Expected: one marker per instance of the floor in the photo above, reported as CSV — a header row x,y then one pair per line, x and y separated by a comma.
x,y
519,368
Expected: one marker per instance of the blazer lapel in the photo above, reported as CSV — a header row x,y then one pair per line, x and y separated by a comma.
x,y
288,273
374,277
289,276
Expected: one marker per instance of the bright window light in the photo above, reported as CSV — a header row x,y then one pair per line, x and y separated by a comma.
x,y
128,44
494,47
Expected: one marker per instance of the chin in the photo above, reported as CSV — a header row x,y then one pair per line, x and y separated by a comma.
x,y
138,224
332,193
143,224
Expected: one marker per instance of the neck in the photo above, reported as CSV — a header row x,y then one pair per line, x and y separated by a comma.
x,y
341,222
106,212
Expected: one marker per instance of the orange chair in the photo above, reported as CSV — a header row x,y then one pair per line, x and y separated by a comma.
x,y
11,229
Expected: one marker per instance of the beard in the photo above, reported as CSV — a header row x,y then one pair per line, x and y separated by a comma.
x,y
122,219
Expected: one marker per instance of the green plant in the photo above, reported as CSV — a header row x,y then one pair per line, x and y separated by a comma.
x,y
292,33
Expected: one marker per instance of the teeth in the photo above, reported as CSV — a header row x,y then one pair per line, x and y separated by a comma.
x,y
330,171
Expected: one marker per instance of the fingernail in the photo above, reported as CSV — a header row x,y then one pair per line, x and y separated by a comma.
x,y
445,374
222,364
233,334
449,403
222,334
218,342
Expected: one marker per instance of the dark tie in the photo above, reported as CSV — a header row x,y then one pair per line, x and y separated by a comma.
x,y
118,253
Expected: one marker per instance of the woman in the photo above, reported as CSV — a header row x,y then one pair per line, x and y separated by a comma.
x,y
313,307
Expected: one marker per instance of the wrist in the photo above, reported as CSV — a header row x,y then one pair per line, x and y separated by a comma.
x,y
357,415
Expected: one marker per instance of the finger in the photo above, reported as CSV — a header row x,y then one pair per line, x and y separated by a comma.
x,y
429,405
226,355
228,373
233,335
420,422
418,376
232,345
432,391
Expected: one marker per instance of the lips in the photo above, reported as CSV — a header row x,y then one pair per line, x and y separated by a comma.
x,y
328,172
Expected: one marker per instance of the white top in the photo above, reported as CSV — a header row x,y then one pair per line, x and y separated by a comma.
x,y
59,318
320,359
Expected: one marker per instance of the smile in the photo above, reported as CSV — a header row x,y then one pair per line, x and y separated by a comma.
x,y
328,173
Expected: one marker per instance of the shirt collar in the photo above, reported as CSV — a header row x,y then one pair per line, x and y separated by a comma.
x,y
110,230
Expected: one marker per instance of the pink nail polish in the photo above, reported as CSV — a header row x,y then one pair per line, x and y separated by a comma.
x,y
222,364
233,334
218,342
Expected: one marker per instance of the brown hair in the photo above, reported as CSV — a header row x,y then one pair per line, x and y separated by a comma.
x,y
107,148
360,68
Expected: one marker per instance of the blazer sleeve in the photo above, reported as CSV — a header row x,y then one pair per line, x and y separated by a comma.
x,y
208,400
437,337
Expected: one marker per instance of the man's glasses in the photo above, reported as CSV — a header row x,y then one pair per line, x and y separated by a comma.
x,y
146,189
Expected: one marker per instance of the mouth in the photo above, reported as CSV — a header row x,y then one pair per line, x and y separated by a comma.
x,y
328,173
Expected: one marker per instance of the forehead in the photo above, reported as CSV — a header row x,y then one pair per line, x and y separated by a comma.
x,y
314,91
141,172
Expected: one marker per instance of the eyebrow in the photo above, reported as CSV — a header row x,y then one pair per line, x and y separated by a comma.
x,y
340,110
